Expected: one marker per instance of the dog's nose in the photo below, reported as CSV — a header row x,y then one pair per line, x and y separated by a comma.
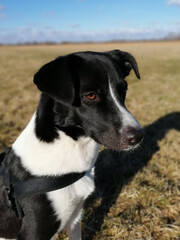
x,y
133,136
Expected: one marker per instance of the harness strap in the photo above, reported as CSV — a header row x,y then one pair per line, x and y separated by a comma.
x,y
18,189
39,185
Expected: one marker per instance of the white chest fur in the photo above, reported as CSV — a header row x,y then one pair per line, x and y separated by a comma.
x,y
64,155
68,202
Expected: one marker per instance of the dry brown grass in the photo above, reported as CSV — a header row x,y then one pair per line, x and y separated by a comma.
x,y
138,194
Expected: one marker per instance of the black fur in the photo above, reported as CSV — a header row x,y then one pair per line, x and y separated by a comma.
x,y
39,222
45,119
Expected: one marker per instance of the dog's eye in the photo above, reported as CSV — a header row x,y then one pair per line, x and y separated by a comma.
x,y
91,95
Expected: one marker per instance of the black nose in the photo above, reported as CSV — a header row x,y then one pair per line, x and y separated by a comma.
x,y
133,136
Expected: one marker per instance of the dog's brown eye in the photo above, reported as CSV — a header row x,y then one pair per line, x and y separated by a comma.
x,y
91,96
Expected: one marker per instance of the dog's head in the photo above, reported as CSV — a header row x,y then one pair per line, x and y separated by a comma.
x,y
89,91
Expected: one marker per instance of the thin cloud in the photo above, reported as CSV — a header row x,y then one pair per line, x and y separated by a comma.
x,y
101,8
2,16
174,2
1,7
177,23
28,34
74,25
49,14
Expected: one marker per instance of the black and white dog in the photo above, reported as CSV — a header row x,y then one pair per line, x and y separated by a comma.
x,y
81,106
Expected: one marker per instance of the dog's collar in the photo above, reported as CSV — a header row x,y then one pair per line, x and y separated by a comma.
x,y
17,190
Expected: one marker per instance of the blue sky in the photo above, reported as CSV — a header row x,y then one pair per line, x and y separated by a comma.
x,y
87,20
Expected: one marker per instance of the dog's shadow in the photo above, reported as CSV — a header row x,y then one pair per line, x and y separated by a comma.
x,y
113,170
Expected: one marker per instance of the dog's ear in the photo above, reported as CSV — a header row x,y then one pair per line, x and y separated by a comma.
x,y
59,80
126,61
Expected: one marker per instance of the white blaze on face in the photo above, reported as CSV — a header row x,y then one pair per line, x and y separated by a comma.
x,y
127,117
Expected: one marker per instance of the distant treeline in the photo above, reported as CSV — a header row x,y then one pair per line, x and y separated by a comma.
x,y
92,42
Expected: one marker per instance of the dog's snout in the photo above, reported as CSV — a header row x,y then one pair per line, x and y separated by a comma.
x,y
133,136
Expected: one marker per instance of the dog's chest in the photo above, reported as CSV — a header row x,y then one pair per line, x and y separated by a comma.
x,y
60,157
68,202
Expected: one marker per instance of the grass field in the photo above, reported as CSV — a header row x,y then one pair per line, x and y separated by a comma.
x,y
137,195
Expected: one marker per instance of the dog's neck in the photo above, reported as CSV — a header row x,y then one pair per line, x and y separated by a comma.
x,y
60,156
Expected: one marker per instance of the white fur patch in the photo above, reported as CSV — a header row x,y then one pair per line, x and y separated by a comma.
x,y
127,117
68,202
64,155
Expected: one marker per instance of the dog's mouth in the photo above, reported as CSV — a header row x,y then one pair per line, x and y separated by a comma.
x,y
121,146
130,147
129,139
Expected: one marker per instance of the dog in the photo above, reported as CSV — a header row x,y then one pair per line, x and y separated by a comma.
x,y
82,105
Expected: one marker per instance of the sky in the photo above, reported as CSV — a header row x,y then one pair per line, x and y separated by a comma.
x,y
23,21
